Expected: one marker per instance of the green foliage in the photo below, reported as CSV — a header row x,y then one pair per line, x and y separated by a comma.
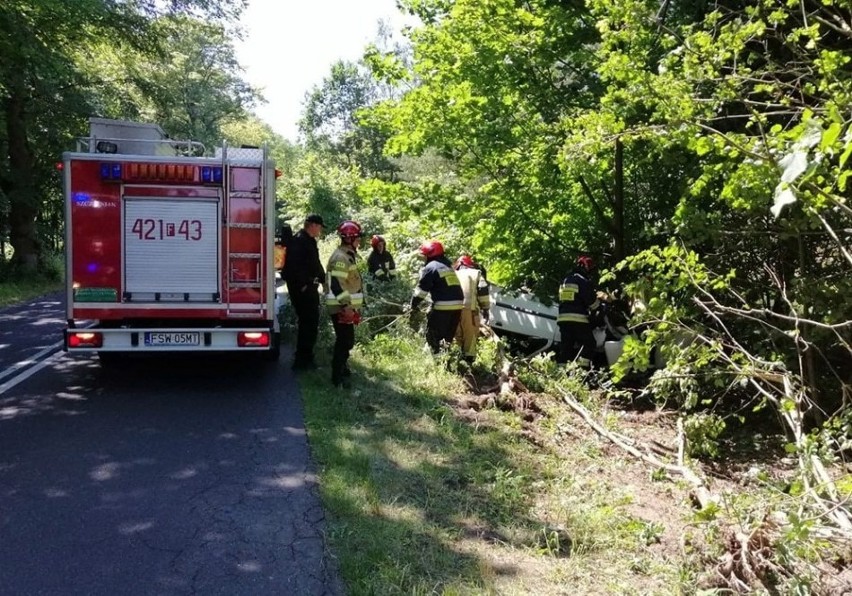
x,y
332,122
317,185
62,62
702,433
733,129
198,87
493,81
385,303
18,285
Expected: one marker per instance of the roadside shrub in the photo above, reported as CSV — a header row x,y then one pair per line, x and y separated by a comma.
x,y
385,303
51,267
702,434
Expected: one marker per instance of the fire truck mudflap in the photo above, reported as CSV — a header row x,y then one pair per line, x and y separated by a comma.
x,y
165,251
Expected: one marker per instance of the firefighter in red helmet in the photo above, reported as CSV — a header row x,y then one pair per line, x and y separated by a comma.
x,y
476,301
344,299
577,300
380,262
439,281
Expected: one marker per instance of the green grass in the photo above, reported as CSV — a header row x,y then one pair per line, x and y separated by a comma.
x,y
21,290
422,501
17,286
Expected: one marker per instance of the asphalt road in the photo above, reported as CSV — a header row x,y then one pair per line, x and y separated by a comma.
x,y
165,476
30,332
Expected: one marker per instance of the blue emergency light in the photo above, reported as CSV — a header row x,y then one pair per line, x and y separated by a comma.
x,y
111,171
211,174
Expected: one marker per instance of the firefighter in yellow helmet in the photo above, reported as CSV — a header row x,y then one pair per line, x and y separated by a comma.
x,y
344,299
476,301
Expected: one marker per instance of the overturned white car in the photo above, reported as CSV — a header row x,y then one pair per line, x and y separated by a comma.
x,y
531,325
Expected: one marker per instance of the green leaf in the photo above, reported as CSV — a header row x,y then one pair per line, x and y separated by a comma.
x,y
829,137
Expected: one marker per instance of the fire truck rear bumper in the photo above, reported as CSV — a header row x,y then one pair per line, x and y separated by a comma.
x,y
141,340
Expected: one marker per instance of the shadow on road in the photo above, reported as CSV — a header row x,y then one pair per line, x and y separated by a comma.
x,y
188,474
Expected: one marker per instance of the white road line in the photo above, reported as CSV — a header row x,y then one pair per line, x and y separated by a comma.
x,y
29,361
30,372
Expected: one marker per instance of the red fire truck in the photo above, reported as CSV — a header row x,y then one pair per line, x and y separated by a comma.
x,y
167,251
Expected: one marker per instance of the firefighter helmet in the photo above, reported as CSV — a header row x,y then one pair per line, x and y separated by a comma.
x,y
374,241
431,248
586,262
464,261
349,230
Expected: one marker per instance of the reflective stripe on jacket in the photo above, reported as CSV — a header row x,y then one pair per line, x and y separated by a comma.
x,y
343,281
381,265
438,280
576,299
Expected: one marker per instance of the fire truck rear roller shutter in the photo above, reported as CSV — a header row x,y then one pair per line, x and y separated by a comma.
x,y
171,246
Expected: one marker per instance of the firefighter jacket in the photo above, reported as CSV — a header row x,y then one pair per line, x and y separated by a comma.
x,y
344,281
438,280
577,299
475,289
381,265
302,266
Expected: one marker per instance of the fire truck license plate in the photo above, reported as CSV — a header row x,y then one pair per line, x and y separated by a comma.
x,y
171,338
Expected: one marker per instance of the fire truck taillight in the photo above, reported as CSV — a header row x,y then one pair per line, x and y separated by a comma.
x,y
85,339
253,339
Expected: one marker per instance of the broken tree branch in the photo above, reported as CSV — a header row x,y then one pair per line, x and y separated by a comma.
x,y
700,491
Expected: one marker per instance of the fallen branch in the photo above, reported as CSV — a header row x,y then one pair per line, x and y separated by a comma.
x,y
700,492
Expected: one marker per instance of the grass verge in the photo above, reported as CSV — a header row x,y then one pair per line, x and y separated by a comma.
x,y
21,290
429,492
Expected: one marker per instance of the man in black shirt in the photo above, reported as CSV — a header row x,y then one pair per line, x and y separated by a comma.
x,y
303,273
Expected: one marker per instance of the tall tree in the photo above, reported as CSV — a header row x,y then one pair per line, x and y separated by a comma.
x,y
42,86
496,83
331,121
199,85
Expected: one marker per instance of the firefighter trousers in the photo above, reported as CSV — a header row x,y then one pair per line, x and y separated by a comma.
x,y
306,306
577,343
467,333
441,328
344,341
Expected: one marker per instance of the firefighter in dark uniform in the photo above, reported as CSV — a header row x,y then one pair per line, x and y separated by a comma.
x,y
344,299
439,280
577,300
303,273
380,262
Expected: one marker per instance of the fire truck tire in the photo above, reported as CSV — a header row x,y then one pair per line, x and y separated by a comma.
x,y
274,352
111,359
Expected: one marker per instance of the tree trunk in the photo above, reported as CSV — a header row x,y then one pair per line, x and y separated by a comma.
x,y
23,200
618,202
